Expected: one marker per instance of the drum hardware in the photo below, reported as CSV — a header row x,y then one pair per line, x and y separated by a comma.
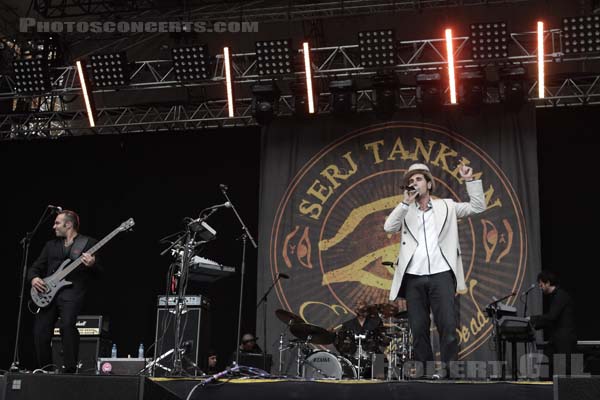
x,y
360,338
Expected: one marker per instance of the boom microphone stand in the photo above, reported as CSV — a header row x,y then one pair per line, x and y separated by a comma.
x,y
245,235
26,242
263,301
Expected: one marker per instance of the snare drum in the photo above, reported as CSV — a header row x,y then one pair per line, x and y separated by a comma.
x,y
323,364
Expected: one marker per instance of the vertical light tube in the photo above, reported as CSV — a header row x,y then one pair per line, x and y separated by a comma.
x,y
540,38
451,76
228,81
86,95
307,71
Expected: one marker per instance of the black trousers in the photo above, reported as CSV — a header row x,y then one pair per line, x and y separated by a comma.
x,y
436,293
43,328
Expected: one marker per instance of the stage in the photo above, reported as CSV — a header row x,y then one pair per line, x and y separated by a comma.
x,y
91,387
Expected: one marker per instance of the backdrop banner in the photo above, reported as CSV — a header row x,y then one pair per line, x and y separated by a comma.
x,y
328,184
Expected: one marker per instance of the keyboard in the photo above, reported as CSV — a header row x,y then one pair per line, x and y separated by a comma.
x,y
206,270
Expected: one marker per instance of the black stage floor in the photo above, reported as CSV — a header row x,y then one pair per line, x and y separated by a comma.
x,y
90,387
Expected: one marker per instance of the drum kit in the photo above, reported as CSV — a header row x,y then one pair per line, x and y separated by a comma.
x,y
392,342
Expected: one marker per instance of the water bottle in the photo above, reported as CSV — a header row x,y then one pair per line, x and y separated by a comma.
x,y
141,351
113,352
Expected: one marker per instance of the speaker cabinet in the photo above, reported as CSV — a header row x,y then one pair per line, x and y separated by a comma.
x,y
73,387
90,348
194,333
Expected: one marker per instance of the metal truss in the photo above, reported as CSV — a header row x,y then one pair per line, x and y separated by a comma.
x,y
335,61
569,91
262,11
80,8
56,118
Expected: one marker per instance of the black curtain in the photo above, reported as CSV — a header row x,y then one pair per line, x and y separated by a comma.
x,y
158,179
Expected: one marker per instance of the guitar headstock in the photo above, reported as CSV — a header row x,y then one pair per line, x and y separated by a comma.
x,y
127,225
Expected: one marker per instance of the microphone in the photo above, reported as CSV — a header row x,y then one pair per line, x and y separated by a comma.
x,y
283,276
409,188
529,289
223,187
226,205
56,209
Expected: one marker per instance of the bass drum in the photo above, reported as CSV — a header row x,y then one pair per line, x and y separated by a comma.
x,y
322,364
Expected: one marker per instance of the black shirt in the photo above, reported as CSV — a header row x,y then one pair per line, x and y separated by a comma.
x,y
559,321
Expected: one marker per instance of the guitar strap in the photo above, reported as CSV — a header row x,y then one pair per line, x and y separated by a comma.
x,y
78,245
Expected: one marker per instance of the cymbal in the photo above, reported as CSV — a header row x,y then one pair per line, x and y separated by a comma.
x,y
288,317
315,334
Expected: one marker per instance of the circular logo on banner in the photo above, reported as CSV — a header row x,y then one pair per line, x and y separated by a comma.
x,y
328,230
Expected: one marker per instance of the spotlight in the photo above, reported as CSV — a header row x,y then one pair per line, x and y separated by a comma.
x,y
191,63
581,34
513,87
385,89
377,48
32,76
109,70
471,89
265,102
489,41
273,57
429,91
343,96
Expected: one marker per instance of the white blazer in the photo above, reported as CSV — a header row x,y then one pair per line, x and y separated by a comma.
x,y
446,213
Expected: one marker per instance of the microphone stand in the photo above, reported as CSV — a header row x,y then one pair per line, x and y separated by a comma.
x,y
492,309
245,235
25,242
263,301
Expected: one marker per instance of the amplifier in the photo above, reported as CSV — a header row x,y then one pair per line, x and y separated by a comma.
x,y
87,325
190,300
90,349
122,366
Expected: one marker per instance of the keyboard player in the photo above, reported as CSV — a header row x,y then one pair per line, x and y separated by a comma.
x,y
558,322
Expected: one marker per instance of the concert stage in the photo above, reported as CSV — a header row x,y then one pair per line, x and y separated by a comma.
x,y
90,387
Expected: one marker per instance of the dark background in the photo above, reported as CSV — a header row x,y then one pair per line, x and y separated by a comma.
x,y
158,179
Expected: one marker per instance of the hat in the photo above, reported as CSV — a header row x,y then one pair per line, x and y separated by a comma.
x,y
419,168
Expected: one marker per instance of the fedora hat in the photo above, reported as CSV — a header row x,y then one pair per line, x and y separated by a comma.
x,y
419,168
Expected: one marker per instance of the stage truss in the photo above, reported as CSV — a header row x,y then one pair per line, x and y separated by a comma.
x,y
54,116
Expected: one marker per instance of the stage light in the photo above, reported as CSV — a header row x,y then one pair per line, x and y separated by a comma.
x,y
472,89
377,48
343,96
273,57
308,74
429,91
191,63
450,55
540,61
87,96
385,93
265,102
32,76
489,41
581,35
228,81
513,87
109,70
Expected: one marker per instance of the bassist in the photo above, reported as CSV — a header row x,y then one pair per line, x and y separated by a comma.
x,y
68,244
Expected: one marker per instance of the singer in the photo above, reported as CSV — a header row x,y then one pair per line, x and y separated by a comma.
x,y
69,243
429,268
